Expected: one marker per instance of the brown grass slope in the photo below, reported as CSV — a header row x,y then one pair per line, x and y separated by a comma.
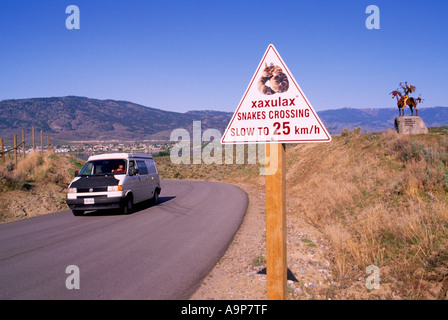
x,y
363,199
37,186
377,199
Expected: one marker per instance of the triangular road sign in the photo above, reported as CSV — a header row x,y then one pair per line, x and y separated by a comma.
x,y
274,109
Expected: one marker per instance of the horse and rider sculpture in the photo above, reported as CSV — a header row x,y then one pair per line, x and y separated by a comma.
x,y
403,99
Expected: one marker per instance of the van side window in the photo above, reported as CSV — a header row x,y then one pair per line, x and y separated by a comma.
x,y
142,169
151,166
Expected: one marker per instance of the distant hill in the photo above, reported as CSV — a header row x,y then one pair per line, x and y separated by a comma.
x,y
75,118
376,120
78,118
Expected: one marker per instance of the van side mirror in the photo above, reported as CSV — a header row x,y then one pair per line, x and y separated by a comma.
x,y
133,172
76,173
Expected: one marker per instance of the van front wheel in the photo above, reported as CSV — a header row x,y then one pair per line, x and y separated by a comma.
x,y
78,212
129,205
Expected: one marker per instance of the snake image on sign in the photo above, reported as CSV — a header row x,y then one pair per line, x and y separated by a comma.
x,y
273,80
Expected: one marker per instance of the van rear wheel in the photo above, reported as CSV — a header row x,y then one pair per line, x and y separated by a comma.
x,y
155,198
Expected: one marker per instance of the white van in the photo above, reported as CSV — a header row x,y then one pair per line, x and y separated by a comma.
x,y
112,181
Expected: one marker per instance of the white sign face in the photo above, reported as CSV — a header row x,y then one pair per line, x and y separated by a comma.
x,y
274,109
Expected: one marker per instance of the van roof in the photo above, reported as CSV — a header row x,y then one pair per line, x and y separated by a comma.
x,y
120,156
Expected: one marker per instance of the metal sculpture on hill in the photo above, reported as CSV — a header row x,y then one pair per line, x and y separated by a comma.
x,y
403,99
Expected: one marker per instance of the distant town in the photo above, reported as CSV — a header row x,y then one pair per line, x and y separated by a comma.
x,y
94,147
111,147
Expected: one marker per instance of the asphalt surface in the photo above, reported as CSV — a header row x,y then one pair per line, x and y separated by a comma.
x,y
158,252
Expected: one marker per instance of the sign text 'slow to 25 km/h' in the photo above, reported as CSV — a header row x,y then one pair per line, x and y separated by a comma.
x,y
274,109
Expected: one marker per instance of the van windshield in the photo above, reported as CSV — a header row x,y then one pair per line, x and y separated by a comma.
x,y
103,167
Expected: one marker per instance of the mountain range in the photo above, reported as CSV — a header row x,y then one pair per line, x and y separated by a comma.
x,y
74,118
377,119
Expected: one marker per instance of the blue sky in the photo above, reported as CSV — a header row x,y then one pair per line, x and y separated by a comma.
x,y
201,54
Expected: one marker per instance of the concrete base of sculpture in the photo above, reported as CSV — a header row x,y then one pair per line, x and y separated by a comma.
x,y
410,125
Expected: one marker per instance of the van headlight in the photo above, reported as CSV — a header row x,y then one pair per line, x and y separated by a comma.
x,y
115,188
72,190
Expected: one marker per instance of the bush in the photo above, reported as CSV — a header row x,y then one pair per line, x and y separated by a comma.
x,y
11,180
9,166
162,154
259,260
30,163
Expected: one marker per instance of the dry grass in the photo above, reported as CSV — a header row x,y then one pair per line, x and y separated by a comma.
x,y
37,186
35,167
379,199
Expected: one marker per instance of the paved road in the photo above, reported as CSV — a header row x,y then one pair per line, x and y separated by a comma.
x,y
160,252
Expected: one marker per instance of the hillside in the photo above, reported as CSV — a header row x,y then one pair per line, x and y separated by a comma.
x,y
38,185
82,119
363,199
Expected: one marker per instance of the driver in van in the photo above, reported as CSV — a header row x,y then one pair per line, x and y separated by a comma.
x,y
119,170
